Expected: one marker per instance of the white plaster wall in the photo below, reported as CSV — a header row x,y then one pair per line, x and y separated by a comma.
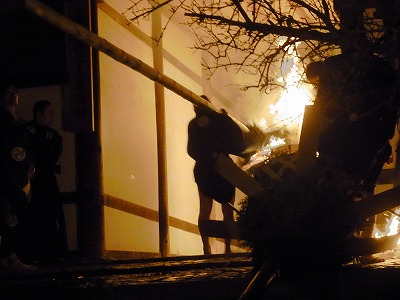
x,y
129,138
128,143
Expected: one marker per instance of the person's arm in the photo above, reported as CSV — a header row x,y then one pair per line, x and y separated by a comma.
x,y
57,153
193,145
231,139
201,144
57,147
14,177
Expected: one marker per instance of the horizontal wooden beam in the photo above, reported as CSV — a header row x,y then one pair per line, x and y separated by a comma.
x,y
147,213
219,229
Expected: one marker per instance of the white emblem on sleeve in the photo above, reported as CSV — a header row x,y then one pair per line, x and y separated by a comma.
x,y
18,154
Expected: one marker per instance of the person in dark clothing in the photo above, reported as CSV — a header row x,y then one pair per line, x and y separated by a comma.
x,y
48,222
16,169
209,134
357,96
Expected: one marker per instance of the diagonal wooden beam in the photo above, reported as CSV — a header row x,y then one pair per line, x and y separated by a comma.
x,y
93,40
90,38
235,175
101,44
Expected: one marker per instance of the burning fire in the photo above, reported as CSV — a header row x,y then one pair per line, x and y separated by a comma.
x,y
288,111
392,225
391,228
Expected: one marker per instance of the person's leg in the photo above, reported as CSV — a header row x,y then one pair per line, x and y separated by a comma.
x,y
61,234
228,217
204,214
9,261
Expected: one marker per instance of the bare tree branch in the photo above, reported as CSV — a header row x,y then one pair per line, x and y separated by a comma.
x,y
247,35
267,29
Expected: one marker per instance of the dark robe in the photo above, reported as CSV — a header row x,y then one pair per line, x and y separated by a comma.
x,y
220,135
48,223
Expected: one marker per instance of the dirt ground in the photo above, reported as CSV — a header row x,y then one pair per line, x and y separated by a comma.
x,y
200,277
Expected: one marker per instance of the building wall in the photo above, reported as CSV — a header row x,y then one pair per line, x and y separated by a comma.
x,y
128,143
129,138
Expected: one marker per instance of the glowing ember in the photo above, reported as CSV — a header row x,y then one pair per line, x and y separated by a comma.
x,y
392,226
263,124
276,141
265,153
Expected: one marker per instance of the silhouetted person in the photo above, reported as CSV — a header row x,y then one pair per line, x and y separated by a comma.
x,y
16,168
357,98
209,134
48,223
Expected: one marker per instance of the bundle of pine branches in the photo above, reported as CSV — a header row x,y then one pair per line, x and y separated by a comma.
x,y
301,220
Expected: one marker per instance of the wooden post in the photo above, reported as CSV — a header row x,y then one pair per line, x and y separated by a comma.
x,y
89,167
308,144
163,223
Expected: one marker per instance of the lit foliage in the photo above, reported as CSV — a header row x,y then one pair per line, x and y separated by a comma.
x,y
299,221
257,138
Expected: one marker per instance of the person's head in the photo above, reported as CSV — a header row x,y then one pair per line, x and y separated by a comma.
x,y
43,112
199,109
8,96
314,71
